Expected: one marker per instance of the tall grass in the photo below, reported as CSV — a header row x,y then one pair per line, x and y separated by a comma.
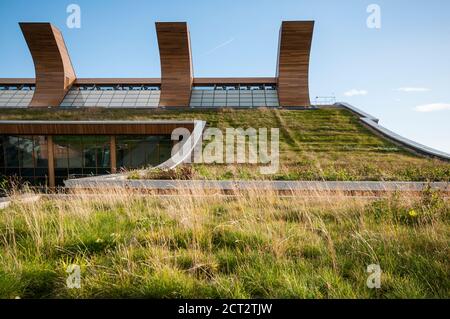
x,y
253,244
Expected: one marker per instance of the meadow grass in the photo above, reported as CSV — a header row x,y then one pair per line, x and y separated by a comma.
x,y
323,144
201,245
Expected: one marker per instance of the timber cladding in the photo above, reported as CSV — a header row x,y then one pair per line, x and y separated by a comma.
x,y
54,71
55,74
234,81
293,63
147,81
84,128
176,63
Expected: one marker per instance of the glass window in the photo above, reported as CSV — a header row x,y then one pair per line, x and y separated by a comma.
x,y
90,155
165,148
40,151
11,151
75,152
142,151
103,152
204,88
106,88
21,156
81,155
26,150
60,153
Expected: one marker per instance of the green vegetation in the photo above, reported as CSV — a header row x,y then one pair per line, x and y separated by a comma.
x,y
325,144
246,246
253,244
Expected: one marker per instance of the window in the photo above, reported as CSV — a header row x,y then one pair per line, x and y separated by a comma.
x,y
106,88
203,88
142,151
112,96
235,96
25,158
77,156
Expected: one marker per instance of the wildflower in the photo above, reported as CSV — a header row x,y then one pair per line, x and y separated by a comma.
x,y
99,240
115,236
412,213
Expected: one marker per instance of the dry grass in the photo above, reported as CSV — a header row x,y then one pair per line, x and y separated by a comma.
x,y
255,244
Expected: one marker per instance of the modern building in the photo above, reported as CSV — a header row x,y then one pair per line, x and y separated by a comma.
x,y
47,152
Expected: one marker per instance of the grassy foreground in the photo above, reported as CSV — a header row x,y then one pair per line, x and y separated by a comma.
x,y
247,246
325,144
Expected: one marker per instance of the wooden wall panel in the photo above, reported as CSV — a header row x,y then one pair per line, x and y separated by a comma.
x,y
117,81
54,71
15,81
113,154
176,63
212,81
86,128
150,81
293,63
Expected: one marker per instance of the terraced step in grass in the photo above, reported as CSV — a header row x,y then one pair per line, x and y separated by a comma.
x,y
324,144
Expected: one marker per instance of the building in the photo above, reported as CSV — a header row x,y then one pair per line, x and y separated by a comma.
x,y
47,152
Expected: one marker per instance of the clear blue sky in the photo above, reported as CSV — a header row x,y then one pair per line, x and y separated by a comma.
x,y
410,52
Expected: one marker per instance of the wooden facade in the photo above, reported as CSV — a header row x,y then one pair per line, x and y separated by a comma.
x,y
176,63
17,81
54,72
51,162
91,127
293,63
234,81
49,129
149,81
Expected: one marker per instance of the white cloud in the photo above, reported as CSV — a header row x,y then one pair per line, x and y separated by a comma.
x,y
355,92
432,107
219,46
412,89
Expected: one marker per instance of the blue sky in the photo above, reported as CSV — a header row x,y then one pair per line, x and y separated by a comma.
x,y
388,72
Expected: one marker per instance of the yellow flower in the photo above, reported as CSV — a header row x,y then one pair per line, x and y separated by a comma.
x,y
412,213
99,240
